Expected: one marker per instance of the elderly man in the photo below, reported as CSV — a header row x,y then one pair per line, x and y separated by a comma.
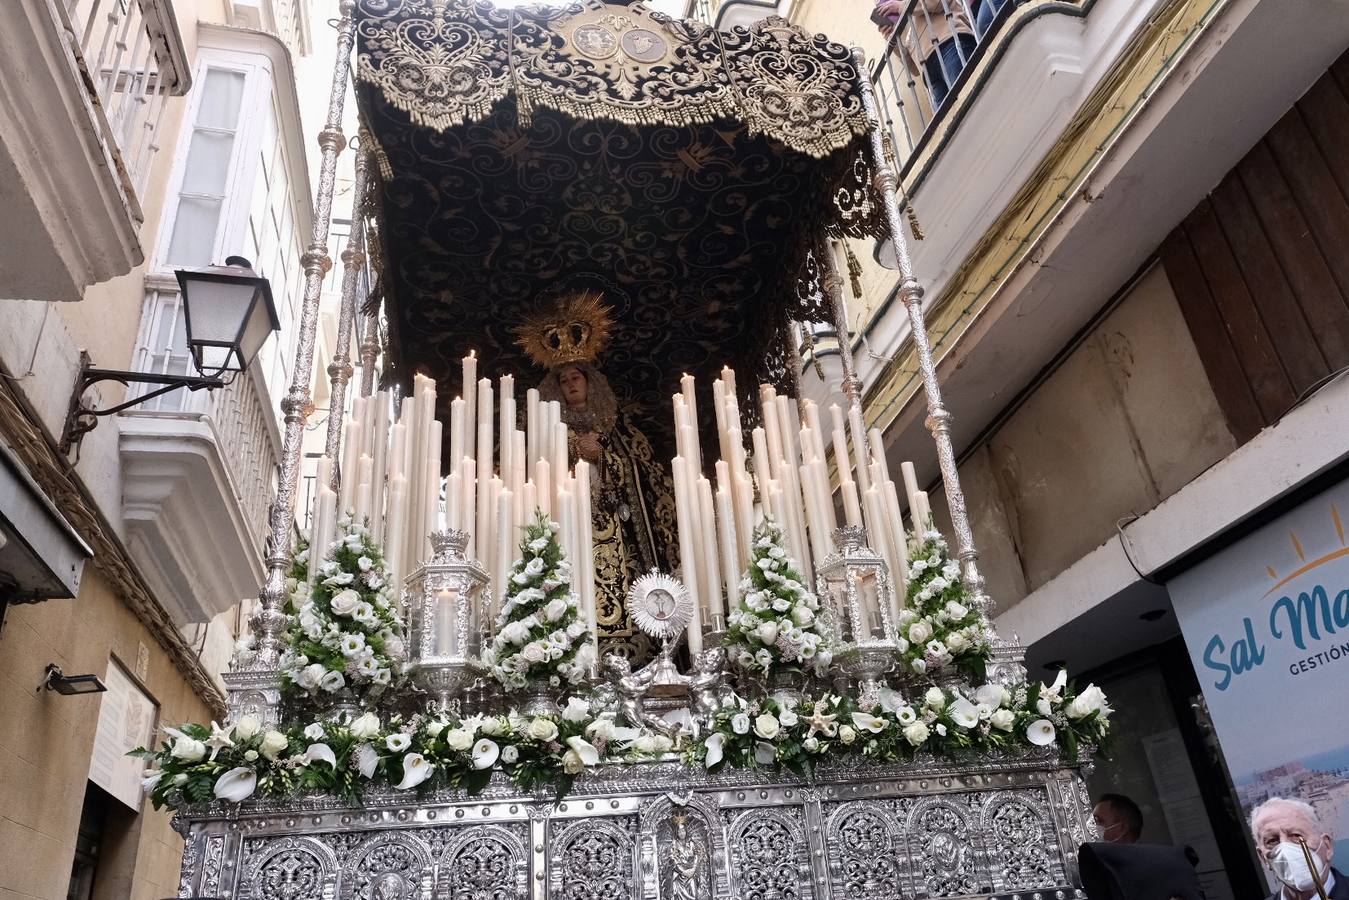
x,y
1281,827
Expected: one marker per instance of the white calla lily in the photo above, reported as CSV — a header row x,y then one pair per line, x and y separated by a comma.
x,y
320,753
1040,732
584,749
868,722
485,753
964,713
715,749
236,785
764,752
367,759
416,769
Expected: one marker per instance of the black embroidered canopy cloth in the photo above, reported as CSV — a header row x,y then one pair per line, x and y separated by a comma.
x,y
687,173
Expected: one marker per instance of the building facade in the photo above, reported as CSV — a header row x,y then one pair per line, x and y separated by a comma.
x,y
145,137
1128,219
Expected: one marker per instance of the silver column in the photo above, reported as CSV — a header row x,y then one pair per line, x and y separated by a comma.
x,y
911,294
339,370
269,621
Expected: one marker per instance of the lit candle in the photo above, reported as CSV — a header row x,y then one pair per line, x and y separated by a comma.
x,y
445,602
686,384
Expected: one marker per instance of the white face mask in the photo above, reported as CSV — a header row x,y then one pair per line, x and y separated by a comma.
x,y
1289,865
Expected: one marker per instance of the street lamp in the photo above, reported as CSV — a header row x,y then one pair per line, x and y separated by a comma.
x,y
228,313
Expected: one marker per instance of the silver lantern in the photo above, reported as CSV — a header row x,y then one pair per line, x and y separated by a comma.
x,y
854,585
445,602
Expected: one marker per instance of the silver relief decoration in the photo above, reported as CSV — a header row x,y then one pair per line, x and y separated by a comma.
x,y
593,860
484,862
1022,852
942,846
387,867
288,869
864,858
769,859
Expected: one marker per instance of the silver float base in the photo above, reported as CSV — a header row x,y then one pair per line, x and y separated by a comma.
x,y
1002,827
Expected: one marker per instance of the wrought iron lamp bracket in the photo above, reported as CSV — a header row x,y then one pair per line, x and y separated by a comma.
x,y
82,419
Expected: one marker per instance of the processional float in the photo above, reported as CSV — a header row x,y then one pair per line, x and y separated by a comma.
x,y
808,704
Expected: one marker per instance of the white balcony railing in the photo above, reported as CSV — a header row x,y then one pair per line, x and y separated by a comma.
x,y
131,57
240,416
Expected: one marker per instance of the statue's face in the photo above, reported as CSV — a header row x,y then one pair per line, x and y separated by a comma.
x,y
575,388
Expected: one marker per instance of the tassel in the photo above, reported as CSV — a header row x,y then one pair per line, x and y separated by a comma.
x,y
854,271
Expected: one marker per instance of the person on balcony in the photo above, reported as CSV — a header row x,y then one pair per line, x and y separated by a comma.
x,y
936,38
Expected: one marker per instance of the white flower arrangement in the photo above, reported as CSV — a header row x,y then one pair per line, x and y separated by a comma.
x,y
939,626
345,632
777,623
539,634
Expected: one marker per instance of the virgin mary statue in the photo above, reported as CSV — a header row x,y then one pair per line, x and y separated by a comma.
x,y
632,502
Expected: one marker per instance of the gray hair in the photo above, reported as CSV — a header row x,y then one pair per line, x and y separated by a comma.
x,y
1306,809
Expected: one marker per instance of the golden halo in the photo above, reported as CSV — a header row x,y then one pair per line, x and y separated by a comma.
x,y
575,329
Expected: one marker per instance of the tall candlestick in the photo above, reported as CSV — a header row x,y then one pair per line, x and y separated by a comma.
x,y
431,510
566,528
324,531
484,467
852,510
323,475
544,484
910,477
922,514
684,520
468,510
531,503
378,463
351,452
507,428
398,494
586,565
364,473
763,466
559,461
454,501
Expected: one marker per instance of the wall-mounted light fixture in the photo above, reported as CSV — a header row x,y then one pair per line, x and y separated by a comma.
x,y
228,314
56,680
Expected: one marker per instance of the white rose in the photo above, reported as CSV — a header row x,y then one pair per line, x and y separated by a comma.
x,y
788,717
313,731
434,728
364,727
509,754
535,653
919,632
344,602
577,710
811,744
458,739
247,728
188,749
740,723
956,610
956,642
846,734
534,566
556,609
916,733
1002,719
935,698
273,742
310,676
1092,699
250,755
1043,708
542,730
767,726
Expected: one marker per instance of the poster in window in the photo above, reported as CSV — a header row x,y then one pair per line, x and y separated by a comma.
x,y
126,720
1266,622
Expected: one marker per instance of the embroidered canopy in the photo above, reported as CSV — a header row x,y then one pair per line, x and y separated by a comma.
x,y
690,174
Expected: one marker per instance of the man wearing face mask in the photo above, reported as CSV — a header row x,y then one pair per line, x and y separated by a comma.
x,y
1280,828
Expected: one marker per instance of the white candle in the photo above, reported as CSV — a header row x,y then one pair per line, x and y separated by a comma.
x,y
445,601
398,492
378,462
716,611
684,520
456,433
719,408
852,510
859,445
898,540
910,477
686,384
922,515
454,501
586,565
532,423
468,509
531,503
505,554
397,439
351,453
431,511
507,424
364,472
324,532
467,385
560,460
544,487
731,568
814,515
763,466
566,531
323,476
487,537
878,533
481,536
